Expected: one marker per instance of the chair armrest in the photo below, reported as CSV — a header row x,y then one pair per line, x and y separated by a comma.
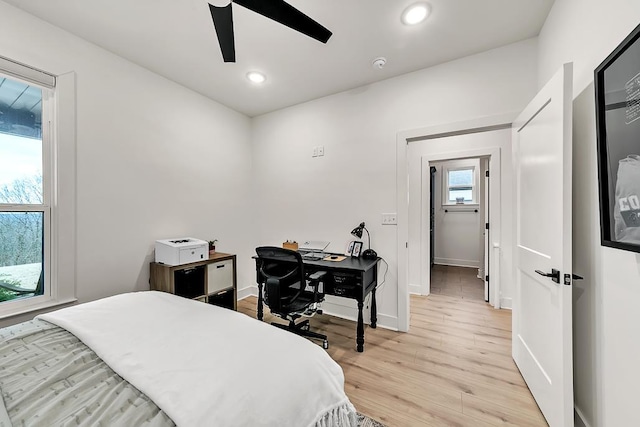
x,y
317,275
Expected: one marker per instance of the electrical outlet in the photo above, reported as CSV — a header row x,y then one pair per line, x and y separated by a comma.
x,y
389,219
321,151
315,152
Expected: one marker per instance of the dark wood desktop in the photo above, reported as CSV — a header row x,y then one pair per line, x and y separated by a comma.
x,y
352,278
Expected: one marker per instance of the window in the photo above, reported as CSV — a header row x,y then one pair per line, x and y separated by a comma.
x,y
460,186
459,182
25,210
37,189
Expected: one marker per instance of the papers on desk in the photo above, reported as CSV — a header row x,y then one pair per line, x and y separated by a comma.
x,y
313,256
334,258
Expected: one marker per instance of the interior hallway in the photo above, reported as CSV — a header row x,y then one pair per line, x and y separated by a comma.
x,y
461,282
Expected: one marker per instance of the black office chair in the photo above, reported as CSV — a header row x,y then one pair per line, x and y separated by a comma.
x,y
282,273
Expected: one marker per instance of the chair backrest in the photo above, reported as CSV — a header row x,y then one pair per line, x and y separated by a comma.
x,y
278,269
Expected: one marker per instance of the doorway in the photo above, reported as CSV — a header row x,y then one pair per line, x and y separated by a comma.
x,y
486,137
462,218
458,232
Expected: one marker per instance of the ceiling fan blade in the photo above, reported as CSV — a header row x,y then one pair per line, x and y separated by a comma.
x,y
223,22
284,13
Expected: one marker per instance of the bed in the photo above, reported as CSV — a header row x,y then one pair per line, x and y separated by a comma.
x,y
154,359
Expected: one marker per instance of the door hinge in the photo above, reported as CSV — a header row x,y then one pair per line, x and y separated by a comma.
x,y
486,278
406,245
486,226
486,173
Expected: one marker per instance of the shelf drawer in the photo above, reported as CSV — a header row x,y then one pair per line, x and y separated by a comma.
x,y
189,283
224,299
219,276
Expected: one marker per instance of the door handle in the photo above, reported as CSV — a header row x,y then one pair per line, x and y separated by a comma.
x,y
569,277
555,274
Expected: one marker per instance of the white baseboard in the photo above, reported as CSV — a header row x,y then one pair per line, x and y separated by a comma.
x,y
415,289
457,262
338,307
247,292
383,321
506,303
387,322
580,417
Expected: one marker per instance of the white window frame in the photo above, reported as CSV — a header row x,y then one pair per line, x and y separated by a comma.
x,y
59,186
457,165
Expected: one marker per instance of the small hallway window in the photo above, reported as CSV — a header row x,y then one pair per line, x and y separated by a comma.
x,y
460,182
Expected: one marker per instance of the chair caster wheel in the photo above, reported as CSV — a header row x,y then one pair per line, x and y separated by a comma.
x,y
319,311
325,344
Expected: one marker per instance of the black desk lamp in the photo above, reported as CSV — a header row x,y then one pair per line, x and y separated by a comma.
x,y
367,253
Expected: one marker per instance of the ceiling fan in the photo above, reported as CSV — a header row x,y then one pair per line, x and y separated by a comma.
x,y
276,10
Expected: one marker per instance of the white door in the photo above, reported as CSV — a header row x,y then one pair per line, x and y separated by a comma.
x,y
542,341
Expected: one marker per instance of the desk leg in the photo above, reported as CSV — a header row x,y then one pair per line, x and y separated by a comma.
x,y
360,335
374,309
260,314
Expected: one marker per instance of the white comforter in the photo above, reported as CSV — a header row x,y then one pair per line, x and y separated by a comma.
x,y
208,366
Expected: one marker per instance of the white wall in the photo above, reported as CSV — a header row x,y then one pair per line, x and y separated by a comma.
x,y
457,232
606,315
154,160
300,197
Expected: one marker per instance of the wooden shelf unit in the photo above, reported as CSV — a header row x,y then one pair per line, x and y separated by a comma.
x,y
211,280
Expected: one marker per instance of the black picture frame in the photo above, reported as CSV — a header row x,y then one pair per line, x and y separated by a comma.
x,y
617,92
357,248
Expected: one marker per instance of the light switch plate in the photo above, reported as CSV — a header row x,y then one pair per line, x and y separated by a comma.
x,y
321,150
389,219
315,152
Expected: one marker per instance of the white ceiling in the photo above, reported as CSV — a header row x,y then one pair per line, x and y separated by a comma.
x,y
176,39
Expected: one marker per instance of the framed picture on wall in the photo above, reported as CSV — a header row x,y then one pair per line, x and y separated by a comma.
x,y
617,89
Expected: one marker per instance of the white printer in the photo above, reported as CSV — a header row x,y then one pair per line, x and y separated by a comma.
x,y
182,250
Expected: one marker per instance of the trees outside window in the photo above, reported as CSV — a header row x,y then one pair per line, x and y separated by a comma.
x,y
24,195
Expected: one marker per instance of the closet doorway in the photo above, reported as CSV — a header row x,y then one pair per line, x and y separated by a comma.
x,y
422,157
458,232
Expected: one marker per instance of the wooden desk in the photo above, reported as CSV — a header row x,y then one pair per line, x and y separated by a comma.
x,y
352,278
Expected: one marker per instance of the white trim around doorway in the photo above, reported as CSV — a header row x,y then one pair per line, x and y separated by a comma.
x,y
403,138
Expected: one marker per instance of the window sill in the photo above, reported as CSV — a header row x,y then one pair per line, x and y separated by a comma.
x,y
37,307
462,206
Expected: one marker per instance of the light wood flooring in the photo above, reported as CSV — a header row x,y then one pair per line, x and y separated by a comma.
x,y
461,282
453,368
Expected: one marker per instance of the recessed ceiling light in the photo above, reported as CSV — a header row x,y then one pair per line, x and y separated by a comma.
x,y
415,13
256,77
